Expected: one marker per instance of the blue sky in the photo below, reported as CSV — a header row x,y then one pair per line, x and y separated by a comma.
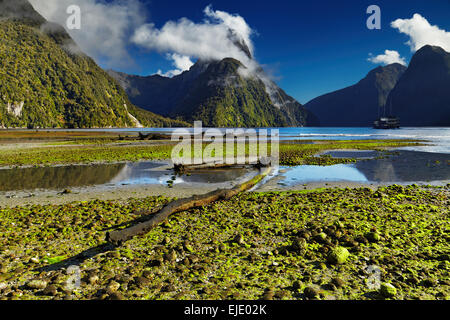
x,y
312,47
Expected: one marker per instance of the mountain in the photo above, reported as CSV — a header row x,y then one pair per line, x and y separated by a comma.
x,y
358,105
422,95
219,93
46,81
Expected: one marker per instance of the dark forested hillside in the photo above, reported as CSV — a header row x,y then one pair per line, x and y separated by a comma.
x,y
45,81
216,93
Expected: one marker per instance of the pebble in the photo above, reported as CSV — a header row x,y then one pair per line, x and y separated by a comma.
x,y
93,279
37,284
34,260
141,282
387,290
297,285
171,256
113,287
116,296
338,282
239,239
268,294
50,290
311,292
373,236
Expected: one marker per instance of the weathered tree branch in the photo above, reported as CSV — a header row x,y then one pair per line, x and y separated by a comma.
x,y
119,236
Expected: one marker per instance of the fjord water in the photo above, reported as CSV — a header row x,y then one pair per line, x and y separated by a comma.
x,y
428,163
438,137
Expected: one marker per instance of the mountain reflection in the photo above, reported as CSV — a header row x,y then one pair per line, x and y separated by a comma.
x,y
57,177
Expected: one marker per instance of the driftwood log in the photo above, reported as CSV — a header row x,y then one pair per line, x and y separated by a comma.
x,y
183,168
119,236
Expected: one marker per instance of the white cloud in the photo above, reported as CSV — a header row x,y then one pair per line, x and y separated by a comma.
x,y
213,39
181,63
105,26
421,33
389,57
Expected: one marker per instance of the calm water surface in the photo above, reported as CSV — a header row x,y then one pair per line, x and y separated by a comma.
x,y
413,164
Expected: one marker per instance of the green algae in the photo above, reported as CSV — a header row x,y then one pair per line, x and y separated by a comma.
x,y
239,248
96,151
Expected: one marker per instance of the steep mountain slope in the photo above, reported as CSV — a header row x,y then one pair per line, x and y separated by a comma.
x,y
218,94
45,81
360,104
422,95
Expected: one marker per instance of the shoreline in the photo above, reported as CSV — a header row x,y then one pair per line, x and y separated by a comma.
x,y
11,199
117,192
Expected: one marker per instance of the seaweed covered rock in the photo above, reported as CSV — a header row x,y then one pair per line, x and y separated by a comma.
x,y
338,255
387,290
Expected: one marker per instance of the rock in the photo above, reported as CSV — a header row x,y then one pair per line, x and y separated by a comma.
x,y
186,262
93,279
113,254
338,255
3,285
116,296
171,256
311,293
428,283
299,244
338,282
321,237
444,257
187,246
387,290
147,274
37,284
281,294
373,236
34,260
362,239
50,290
239,239
141,282
297,285
168,288
112,287
156,262
268,294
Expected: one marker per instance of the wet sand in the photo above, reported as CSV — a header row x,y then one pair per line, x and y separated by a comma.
x,y
123,193
42,197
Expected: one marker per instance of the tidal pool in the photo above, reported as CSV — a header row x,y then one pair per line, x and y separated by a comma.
x,y
400,167
140,173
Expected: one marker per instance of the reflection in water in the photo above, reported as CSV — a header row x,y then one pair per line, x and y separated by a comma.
x,y
405,166
140,173
408,166
339,172
145,173
57,177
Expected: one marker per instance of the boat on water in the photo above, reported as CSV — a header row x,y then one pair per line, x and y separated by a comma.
x,y
387,123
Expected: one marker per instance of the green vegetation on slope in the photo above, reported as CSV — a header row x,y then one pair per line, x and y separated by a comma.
x,y
216,93
43,84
